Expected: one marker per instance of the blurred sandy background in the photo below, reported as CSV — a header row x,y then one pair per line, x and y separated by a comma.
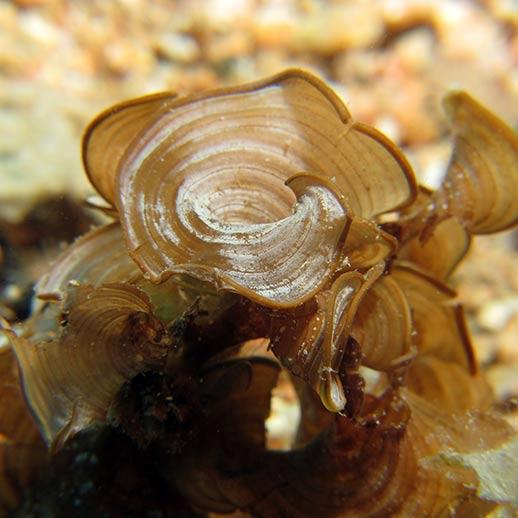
x,y
61,62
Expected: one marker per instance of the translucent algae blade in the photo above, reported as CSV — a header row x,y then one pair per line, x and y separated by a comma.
x,y
441,251
481,184
22,450
109,335
97,257
273,263
198,177
280,126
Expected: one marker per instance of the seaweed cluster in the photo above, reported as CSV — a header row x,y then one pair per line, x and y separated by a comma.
x,y
260,230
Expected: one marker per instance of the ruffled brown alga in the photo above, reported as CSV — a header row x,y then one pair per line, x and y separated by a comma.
x,y
256,230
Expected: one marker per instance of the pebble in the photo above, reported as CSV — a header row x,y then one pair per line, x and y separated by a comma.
x,y
495,314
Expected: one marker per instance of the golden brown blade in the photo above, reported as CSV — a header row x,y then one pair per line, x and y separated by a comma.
x,y
383,325
366,244
101,257
97,257
448,385
109,334
108,136
481,185
272,263
280,126
22,450
439,328
441,251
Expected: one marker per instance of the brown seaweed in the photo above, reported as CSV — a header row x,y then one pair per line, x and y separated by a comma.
x,y
260,228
